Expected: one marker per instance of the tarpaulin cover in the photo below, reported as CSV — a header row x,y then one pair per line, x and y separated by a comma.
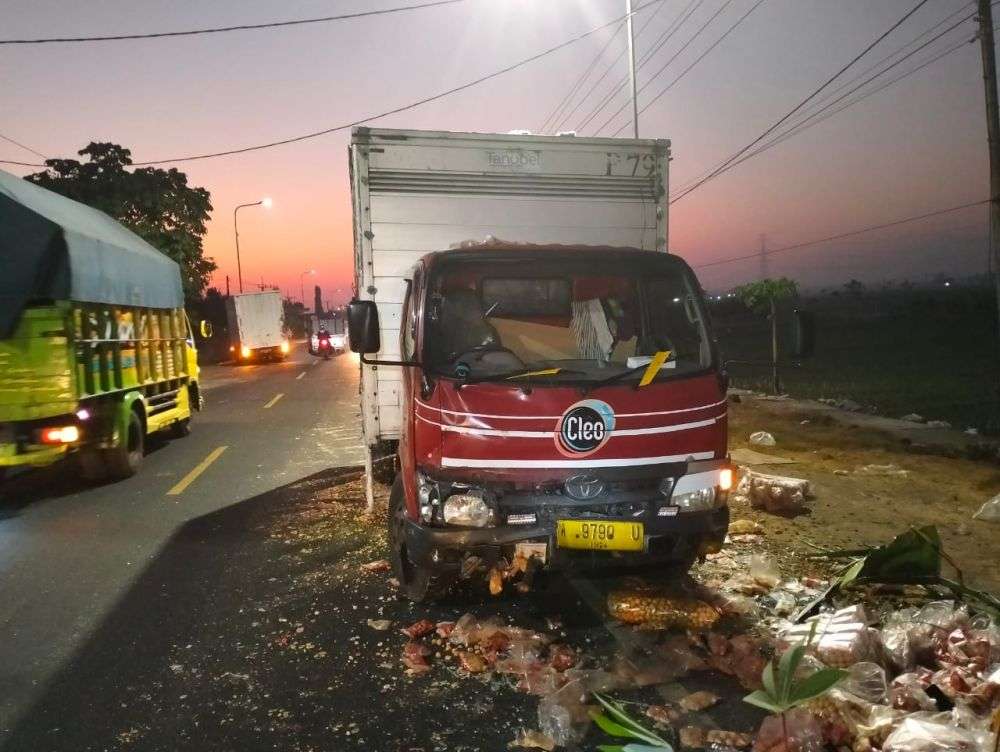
x,y
54,248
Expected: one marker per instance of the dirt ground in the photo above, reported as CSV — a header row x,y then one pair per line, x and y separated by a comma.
x,y
856,509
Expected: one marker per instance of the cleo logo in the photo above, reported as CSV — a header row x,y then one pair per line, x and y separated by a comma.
x,y
584,428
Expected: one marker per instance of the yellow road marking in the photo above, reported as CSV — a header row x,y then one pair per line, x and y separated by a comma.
x,y
201,467
272,402
300,375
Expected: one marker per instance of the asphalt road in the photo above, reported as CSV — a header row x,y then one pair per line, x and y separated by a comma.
x,y
69,552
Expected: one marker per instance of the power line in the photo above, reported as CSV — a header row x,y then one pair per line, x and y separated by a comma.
x,y
241,27
20,164
564,118
403,108
841,236
814,118
564,102
663,39
683,73
8,139
725,164
554,115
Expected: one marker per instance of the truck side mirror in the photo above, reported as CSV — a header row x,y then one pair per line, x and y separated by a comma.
x,y
206,329
363,327
803,334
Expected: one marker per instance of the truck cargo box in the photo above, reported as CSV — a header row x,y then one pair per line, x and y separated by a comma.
x,y
419,191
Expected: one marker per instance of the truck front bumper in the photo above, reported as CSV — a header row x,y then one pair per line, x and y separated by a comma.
x,y
666,539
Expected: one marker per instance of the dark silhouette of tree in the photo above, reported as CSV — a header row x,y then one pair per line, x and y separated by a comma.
x,y
158,205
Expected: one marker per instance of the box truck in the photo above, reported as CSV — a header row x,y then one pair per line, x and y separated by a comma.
x,y
256,326
538,373
96,351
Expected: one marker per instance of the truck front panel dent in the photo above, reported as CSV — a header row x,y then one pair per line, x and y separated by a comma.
x,y
499,429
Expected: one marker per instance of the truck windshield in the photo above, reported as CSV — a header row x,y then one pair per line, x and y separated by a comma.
x,y
571,320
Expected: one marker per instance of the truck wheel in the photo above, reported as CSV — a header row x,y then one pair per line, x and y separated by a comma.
x,y
92,466
417,584
123,460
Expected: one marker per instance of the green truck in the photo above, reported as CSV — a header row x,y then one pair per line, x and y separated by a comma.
x,y
96,351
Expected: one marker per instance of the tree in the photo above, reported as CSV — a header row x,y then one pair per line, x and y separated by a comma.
x,y
762,297
158,205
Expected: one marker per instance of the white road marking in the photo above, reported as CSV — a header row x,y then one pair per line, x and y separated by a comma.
x,y
300,375
273,401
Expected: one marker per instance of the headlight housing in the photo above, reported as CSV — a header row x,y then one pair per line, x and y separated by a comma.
x,y
701,500
468,508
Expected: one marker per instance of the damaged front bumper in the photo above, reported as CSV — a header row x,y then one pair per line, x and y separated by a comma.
x,y
670,533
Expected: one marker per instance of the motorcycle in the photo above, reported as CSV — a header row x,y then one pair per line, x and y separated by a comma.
x,y
324,347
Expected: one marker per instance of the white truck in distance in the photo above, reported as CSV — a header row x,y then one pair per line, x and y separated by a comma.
x,y
256,326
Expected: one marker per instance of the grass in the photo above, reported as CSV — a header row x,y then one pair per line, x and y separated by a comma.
x,y
899,351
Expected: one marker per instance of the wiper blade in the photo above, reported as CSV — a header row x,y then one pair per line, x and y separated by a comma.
x,y
649,370
512,375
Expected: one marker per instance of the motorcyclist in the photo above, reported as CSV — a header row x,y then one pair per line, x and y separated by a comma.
x,y
323,341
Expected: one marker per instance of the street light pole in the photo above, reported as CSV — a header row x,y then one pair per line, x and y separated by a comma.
x,y
266,203
631,68
302,285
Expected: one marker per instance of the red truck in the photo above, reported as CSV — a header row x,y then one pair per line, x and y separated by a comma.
x,y
563,401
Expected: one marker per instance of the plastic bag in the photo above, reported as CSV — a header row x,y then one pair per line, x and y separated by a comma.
x,y
919,735
562,715
866,681
896,639
762,438
763,570
805,734
990,511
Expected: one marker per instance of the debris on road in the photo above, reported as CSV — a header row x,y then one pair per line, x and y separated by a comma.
x,y
379,625
698,701
938,424
913,418
762,438
529,739
990,511
888,470
380,565
745,527
773,493
659,608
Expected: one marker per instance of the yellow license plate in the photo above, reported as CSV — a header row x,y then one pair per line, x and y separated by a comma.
x,y
599,536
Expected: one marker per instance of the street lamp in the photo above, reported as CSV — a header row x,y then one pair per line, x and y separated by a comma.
x,y
266,203
302,285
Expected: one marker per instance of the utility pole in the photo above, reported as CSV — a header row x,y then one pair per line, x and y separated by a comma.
x,y
631,68
227,285
992,134
763,256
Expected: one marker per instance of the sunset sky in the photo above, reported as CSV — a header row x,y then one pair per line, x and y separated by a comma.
x,y
916,147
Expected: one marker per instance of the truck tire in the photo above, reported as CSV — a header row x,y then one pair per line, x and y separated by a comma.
x,y
417,584
123,460
92,465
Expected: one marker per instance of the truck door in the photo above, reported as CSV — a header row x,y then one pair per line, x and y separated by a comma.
x,y
409,350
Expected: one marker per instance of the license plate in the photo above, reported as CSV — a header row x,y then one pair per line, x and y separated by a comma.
x,y
599,536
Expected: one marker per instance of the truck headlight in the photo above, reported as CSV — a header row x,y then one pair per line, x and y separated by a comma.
x,y
245,352
285,347
467,508
701,500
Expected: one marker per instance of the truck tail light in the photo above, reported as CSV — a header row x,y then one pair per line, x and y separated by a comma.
x,y
60,435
